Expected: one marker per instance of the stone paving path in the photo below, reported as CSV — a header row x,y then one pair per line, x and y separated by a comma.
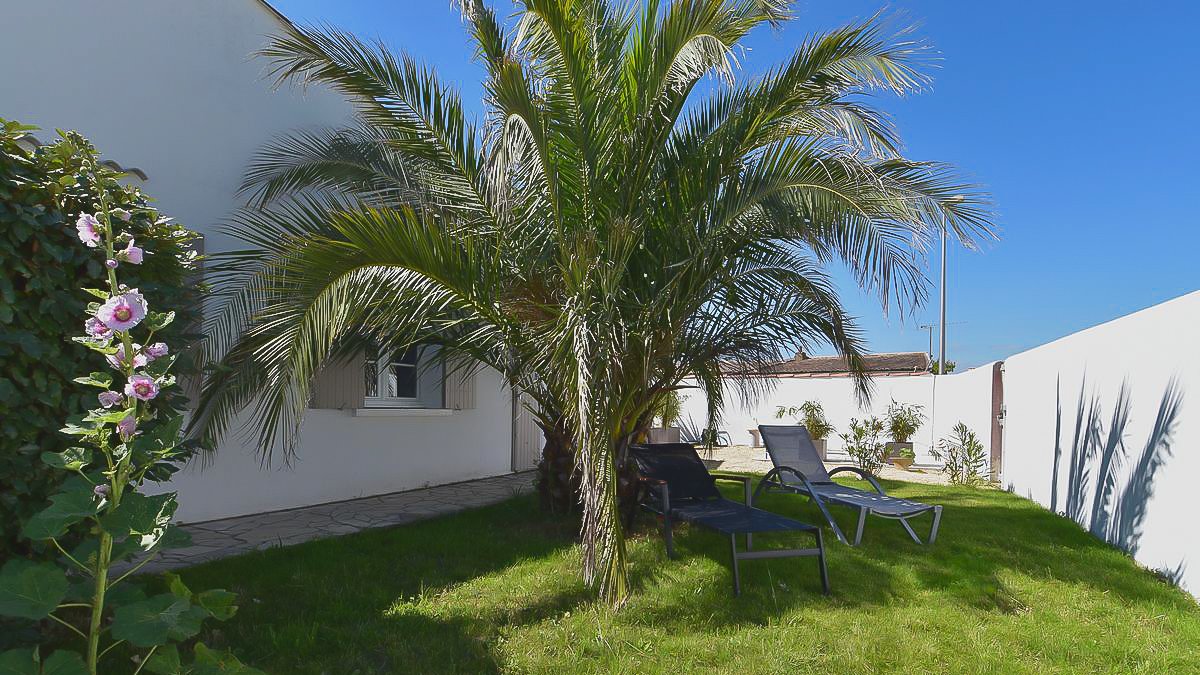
x,y
230,536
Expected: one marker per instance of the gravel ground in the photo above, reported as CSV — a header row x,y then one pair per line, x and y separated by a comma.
x,y
754,460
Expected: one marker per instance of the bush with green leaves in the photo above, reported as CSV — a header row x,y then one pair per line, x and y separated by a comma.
x,y
863,444
810,415
903,420
120,442
963,456
40,304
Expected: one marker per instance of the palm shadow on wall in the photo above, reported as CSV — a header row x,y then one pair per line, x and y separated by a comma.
x,y
1112,503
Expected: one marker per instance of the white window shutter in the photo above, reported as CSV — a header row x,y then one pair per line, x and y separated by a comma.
x,y
340,385
459,390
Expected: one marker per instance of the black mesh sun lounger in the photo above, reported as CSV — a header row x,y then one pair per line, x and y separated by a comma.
x,y
681,489
799,470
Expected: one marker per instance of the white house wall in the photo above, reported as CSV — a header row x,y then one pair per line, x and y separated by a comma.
x,y
343,457
1154,353
172,88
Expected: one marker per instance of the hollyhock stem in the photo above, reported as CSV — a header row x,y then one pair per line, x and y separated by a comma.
x,y
117,478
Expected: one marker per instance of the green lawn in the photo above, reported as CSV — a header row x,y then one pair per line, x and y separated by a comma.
x,y
1008,587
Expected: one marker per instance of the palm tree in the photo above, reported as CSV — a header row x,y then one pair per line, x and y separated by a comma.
x,y
613,229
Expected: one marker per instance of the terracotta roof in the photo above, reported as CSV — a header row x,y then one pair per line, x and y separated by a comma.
x,y
899,363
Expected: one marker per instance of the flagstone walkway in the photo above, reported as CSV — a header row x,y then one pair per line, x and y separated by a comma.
x,y
230,536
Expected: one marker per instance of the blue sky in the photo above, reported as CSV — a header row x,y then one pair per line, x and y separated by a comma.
x,y
1080,117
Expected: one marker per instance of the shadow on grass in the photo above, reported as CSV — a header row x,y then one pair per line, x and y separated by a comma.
x,y
442,595
345,605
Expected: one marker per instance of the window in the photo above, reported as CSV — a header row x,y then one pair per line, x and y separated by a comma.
x,y
392,378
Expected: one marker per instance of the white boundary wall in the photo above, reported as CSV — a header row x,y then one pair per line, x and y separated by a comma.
x,y
1148,350
964,397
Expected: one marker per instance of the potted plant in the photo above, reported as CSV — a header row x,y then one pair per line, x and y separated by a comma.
x,y
811,416
904,458
902,422
668,411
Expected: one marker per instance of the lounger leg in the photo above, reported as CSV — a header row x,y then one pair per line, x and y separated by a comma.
x,y
862,522
937,520
829,518
908,528
666,530
821,560
737,581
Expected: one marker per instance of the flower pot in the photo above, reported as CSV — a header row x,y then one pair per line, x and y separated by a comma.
x,y
822,448
664,435
902,463
892,450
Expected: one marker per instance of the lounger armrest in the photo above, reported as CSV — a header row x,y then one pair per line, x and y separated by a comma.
x,y
746,482
862,474
774,476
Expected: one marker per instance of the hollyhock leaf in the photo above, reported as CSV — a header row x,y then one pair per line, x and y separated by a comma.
x,y
169,536
71,459
96,292
159,367
153,622
177,587
212,662
165,661
106,417
63,662
31,590
66,509
159,320
219,603
140,514
19,662
102,380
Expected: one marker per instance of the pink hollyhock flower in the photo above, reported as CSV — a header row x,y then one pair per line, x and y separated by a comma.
x,y
118,360
96,328
132,253
89,230
101,491
110,264
122,214
127,427
110,398
122,312
141,387
156,350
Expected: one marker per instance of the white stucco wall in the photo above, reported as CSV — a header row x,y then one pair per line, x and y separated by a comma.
x,y
953,393
342,457
172,88
1147,350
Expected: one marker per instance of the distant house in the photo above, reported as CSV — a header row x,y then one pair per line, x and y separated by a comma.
x,y
173,89
877,365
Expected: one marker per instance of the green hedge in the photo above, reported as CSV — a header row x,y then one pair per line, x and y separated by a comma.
x,y
42,192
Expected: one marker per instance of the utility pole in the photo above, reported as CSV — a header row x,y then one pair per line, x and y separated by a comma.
x,y
957,199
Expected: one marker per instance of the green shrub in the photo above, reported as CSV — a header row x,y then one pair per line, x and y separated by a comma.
x,y
41,304
963,456
862,443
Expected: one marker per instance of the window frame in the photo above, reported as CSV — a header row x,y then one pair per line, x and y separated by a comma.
x,y
380,375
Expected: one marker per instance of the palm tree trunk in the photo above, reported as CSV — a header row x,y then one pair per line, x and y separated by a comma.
x,y
558,477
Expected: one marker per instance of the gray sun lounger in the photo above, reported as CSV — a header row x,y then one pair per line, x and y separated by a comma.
x,y
799,470
681,489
